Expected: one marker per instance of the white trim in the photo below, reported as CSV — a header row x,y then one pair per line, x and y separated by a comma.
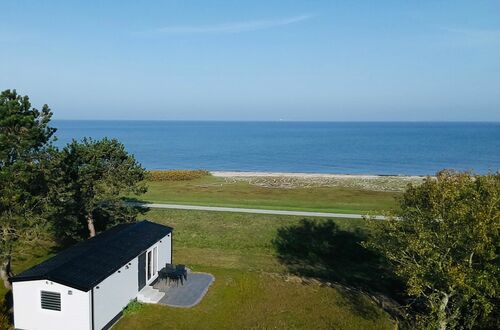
x,y
154,276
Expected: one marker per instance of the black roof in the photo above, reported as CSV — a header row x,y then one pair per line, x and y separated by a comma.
x,y
87,263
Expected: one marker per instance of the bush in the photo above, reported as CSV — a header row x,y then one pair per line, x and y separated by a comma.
x,y
133,307
5,315
5,322
176,175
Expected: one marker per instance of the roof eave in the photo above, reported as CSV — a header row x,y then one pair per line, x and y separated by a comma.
x,y
45,278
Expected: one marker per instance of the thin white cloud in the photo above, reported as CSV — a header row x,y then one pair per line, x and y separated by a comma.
x,y
226,28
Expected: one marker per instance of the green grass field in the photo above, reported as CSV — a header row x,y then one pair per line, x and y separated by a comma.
x,y
249,300
253,288
212,191
263,264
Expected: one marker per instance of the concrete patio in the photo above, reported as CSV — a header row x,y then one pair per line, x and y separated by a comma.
x,y
188,294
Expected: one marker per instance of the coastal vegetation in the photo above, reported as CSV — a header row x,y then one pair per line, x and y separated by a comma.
x,y
433,264
88,178
50,196
444,246
25,137
390,183
217,191
176,175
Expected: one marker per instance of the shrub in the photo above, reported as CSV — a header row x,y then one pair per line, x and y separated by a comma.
x,y
133,307
444,245
176,175
5,315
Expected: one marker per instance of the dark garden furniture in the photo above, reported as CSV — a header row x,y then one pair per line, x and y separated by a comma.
x,y
181,270
173,273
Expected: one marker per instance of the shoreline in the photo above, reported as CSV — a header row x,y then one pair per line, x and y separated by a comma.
x,y
292,180
299,175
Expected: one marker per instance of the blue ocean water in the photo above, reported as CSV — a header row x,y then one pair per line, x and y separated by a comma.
x,y
317,147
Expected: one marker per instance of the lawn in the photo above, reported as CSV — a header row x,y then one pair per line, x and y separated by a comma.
x,y
263,266
250,300
212,191
254,286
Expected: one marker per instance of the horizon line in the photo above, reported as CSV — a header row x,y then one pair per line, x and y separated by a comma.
x,y
279,121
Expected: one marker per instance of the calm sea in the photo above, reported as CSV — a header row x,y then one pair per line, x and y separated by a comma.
x,y
331,147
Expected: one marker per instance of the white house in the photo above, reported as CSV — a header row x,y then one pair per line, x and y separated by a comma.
x,y
88,285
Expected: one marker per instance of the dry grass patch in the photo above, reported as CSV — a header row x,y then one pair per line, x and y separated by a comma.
x,y
176,175
373,183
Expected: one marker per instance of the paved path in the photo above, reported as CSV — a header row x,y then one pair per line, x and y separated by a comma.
x,y
255,211
190,293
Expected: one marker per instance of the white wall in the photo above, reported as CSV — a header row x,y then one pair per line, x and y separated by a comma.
x,y
28,313
165,251
110,297
114,293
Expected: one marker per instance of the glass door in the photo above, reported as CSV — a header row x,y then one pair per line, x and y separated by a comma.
x,y
152,263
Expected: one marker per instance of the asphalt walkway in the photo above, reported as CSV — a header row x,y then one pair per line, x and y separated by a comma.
x,y
255,211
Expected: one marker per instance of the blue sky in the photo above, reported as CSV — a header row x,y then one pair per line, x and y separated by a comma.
x,y
255,60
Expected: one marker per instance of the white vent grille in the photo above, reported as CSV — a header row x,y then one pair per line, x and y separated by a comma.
x,y
51,300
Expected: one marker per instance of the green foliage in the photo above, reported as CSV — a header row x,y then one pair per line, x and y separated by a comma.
x,y
25,149
82,183
24,130
133,307
444,244
89,178
5,322
176,175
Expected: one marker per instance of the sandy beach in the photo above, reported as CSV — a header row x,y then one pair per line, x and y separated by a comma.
x,y
234,174
308,180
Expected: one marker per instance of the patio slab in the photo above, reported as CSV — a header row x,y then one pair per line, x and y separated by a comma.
x,y
189,294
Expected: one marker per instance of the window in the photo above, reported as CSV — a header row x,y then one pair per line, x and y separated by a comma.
x,y
51,300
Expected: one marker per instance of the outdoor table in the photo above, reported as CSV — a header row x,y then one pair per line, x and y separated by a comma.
x,y
173,273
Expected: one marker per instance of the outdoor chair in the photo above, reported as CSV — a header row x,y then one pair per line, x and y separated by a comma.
x,y
162,278
181,269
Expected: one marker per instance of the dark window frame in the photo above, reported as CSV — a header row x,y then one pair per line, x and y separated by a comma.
x,y
149,266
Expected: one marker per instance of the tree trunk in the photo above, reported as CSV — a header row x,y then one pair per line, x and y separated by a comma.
x,y
90,225
6,273
443,320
